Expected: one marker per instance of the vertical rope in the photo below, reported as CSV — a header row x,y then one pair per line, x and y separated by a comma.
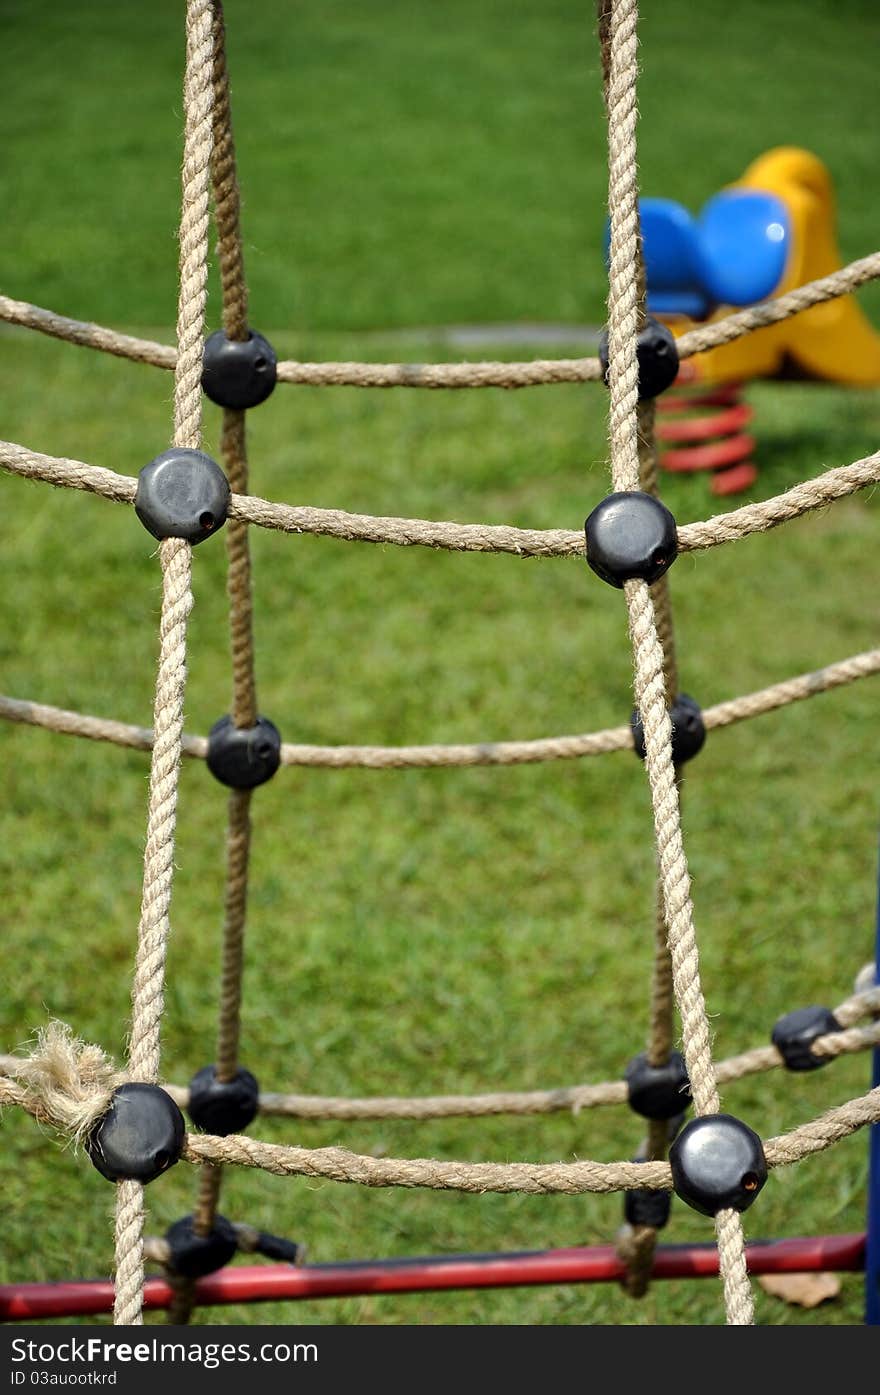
x,y
660,1031
237,852
734,1274
198,143
147,991
674,875
129,1240
623,273
233,451
233,445
176,561
681,935
227,200
618,33
636,1246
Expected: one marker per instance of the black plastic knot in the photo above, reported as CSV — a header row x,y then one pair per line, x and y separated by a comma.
x,y
140,1136
238,373
630,536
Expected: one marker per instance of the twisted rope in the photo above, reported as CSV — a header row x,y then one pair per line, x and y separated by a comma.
x,y
650,626
484,753
176,561
68,1085
650,685
572,1179
623,274
457,537
227,201
636,1245
650,699
492,374
233,450
575,1178
771,312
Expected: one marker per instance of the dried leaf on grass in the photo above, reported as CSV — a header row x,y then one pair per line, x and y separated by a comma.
x,y
805,1290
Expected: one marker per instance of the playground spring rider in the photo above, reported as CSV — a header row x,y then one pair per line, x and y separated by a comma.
x,y
771,231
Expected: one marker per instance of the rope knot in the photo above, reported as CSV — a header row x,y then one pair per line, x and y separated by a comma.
x,y
65,1082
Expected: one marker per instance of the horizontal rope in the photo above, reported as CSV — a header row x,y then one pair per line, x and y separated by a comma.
x,y
340,1165
483,753
540,372
86,334
456,537
573,1097
533,373
771,312
63,1082
510,1102
769,513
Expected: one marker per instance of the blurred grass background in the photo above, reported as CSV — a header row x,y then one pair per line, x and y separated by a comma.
x,y
410,167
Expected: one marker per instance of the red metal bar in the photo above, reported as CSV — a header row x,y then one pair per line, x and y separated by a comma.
x,y
281,1282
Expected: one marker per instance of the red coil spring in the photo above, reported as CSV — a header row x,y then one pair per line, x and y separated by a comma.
x,y
708,442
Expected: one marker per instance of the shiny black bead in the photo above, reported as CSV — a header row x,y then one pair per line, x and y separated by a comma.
x,y
182,494
644,1207
223,1106
657,1092
243,757
794,1034
141,1135
717,1164
193,1255
688,729
657,357
630,536
238,373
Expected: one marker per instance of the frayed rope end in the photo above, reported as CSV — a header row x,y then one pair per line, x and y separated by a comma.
x,y
65,1082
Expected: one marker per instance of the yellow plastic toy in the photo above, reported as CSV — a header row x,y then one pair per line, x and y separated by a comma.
x,y
833,341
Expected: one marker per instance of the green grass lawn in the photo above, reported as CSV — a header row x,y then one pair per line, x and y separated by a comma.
x,y
418,932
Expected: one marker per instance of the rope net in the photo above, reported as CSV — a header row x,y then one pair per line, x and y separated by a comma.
x,y
69,1085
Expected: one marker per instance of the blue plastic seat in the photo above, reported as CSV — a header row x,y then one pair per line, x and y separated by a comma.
x,y
733,254
672,260
742,241
669,239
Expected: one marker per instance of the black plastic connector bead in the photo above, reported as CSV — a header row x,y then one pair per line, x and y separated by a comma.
x,y
630,536
717,1164
657,357
243,757
193,1255
643,1207
794,1034
182,494
688,729
657,1092
140,1136
238,373
223,1106
274,1247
